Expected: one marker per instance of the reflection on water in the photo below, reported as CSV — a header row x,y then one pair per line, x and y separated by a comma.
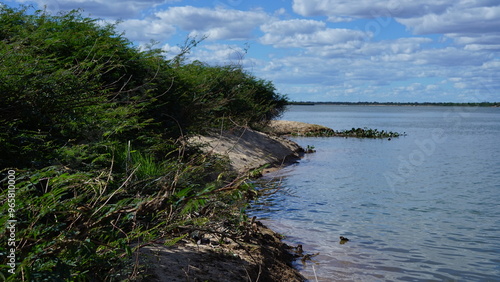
x,y
438,218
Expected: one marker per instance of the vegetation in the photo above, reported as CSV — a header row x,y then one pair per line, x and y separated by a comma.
x,y
354,132
480,104
93,128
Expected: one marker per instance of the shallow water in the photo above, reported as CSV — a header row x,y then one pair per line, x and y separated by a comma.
x,y
420,207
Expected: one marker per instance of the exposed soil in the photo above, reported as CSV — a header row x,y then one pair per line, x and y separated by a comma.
x,y
261,256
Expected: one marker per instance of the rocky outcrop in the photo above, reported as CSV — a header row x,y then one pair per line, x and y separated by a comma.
x,y
264,257
248,149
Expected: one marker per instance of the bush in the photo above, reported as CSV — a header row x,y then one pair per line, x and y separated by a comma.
x,y
91,125
226,94
64,79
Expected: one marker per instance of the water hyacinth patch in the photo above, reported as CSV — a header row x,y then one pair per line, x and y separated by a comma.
x,y
354,132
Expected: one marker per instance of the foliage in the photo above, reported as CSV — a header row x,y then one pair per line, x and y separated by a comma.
x,y
94,129
441,104
228,94
65,79
354,132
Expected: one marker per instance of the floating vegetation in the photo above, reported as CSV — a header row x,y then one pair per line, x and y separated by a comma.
x,y
354,132
310,149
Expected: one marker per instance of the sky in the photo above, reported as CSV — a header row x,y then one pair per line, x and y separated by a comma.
x,y
327,50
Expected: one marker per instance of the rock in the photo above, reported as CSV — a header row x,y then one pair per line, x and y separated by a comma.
x,y
265,258
248,149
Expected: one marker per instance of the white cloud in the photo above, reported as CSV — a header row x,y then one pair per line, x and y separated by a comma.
x,y
215,23
457,19
431,87
479,47
415,87
460,85
394,47
219,54
380,74
453,41
451,57
117,9
171,51
492,65
295,26
146,29
368,8
307,33
483,39
474,21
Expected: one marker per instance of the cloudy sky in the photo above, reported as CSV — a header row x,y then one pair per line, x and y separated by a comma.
x,y
328,50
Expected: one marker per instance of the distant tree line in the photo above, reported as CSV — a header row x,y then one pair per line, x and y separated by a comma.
x,y
480,104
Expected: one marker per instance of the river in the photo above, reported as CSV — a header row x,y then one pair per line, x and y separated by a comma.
x,y
422,207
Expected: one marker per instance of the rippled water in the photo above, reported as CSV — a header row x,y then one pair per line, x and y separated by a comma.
x,y
421,207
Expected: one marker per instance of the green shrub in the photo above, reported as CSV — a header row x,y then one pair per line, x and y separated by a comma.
x,y
93,128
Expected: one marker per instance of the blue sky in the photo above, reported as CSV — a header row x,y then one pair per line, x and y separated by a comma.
x,y
328,50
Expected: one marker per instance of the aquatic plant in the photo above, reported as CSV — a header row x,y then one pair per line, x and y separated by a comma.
x,y
310,149
354,132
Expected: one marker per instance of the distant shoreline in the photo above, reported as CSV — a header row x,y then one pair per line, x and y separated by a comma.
x,y
443,104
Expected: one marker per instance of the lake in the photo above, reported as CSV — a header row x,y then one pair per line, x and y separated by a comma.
x,y
423,207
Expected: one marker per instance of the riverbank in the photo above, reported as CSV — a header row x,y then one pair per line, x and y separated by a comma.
x,y
94,135
258,256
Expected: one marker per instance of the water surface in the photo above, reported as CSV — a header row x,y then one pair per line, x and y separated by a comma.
x,y
424,207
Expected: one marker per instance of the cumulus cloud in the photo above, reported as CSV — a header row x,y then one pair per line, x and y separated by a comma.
x,y
451,57
406,51
171,51
474,26
295,26
485,39
461,20
457,19
398,46
146,29
215,54
307,33
368,8
380,68
220,54
218,23
449,46
117,9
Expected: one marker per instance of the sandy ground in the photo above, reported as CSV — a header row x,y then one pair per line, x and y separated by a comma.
x,y
262,256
